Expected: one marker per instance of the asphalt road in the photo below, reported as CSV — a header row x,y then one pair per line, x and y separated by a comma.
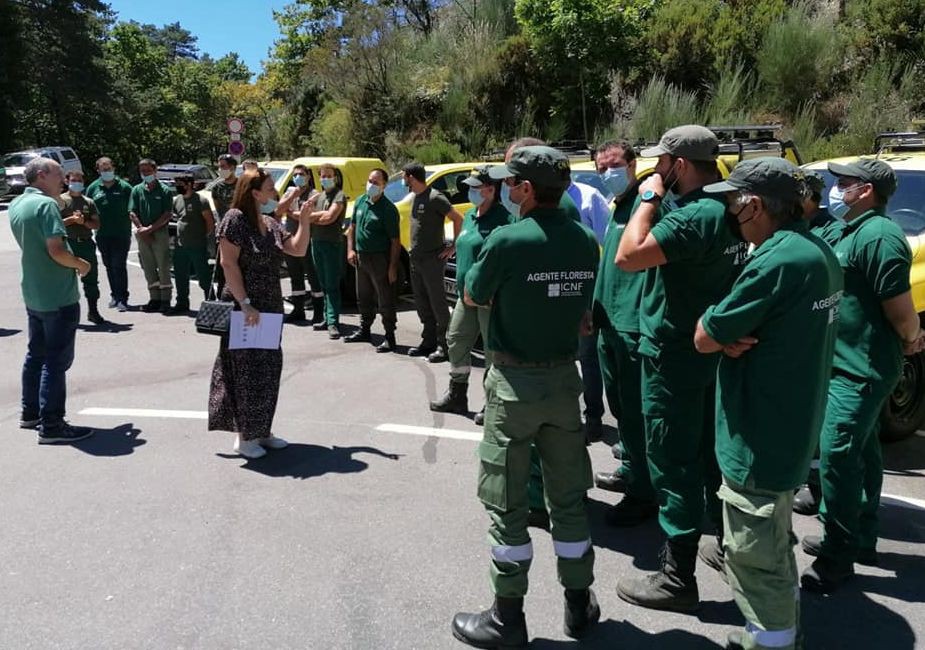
x,y
365,533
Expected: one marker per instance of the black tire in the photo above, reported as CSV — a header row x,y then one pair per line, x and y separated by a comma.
x,y
904,411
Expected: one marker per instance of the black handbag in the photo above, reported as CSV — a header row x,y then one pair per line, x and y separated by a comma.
x,y
214,316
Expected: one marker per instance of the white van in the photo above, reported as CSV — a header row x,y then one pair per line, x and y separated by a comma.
x,y
16,162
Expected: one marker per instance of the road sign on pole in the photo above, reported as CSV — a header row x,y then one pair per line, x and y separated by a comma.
x,y
236,148
235,125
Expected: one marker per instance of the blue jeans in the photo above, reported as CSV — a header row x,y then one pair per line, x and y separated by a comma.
x,y
50,354
114,251
591,377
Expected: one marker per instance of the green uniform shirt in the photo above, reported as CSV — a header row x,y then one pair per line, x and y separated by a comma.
x,y
333,231
149,205
538,274
112,205
875,256
428,213
472,235
191,225
568,205
46,285
70,205
704,259
825,226
222,194
375,225
770,402
617,293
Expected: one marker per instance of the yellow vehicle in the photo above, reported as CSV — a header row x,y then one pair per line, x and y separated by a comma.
x,y
354,170
904,413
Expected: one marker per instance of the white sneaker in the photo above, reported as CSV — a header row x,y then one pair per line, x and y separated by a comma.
x,y
272,442
249,448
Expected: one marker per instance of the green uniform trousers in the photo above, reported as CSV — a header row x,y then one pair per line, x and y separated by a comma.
x,y
760,565
186,259
678,405
466,324
154,255
526,406
851,466
329,258
86,250
621,367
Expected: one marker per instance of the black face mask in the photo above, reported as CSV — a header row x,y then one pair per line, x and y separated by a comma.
x,y
732,221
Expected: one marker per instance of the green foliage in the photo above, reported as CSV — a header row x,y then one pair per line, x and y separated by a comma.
x,y
893,28
660,106
332,131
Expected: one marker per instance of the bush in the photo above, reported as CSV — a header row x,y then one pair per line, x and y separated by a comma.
x,y
660,106
332,131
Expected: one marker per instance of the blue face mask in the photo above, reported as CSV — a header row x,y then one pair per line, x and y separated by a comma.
x,y
269,207
327,183
616,180
475,196
837,206
148,179
76,186
299,180
373,191
107,176
512,207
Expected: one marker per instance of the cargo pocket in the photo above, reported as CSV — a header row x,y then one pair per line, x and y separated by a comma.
x,y
493,475
752,538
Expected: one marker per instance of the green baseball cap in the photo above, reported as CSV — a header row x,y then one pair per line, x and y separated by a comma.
x,y
869,170
691,141
542,166
770,176
478,176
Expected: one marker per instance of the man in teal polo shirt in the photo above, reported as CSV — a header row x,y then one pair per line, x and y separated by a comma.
x,y
691,258
374,247
777,329
150,208
49,289
111,195
878,324
538,276
81,218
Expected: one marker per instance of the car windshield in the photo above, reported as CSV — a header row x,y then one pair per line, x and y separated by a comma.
x,y
275,173
396,191
588,177
17,159
906,207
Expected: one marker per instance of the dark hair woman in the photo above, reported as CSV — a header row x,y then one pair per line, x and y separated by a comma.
x,y
301,191
245,383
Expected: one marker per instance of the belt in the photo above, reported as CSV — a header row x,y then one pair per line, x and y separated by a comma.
x,y
80,238
504,359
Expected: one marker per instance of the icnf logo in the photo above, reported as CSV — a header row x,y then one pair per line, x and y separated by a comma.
x,y
553,290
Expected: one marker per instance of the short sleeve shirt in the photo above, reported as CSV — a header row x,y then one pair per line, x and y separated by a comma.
x,y
875,257
475,230
46,285
222,195
150,204
332,232
703,260
538,273
375,224
112,204
617,293
428,213
71,205
191,225
825,226
770,402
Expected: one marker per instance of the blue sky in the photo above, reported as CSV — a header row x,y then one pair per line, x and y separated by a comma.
x,y
243,26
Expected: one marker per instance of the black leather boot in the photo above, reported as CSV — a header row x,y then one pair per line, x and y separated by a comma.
x,y
455,400
93,314
807,499
581,612
318,314
673,587
501,627
479,417
388,345
297,315
362,335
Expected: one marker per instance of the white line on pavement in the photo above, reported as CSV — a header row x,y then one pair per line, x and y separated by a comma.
x,y
147,413
455,434
903,502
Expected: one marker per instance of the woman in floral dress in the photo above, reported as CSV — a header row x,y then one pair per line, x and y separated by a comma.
x,y
245,383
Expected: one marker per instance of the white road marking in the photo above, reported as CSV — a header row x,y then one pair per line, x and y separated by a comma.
x,y
147,413
903,502
455,434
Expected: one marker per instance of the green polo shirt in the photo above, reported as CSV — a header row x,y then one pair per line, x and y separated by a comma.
x,y
770,402
375,225
617,293
191,225
568,206
475,229
222,195
332,232
112,205
73,204
703,260
538,273
825,226
875,256
149,205
46,285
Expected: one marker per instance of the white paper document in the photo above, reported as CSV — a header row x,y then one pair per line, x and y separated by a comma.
x,y
265,335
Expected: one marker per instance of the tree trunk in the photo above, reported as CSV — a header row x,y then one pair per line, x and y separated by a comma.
x,y
584,107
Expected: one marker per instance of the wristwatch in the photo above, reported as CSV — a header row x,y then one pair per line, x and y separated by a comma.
x,y
246,301
649,196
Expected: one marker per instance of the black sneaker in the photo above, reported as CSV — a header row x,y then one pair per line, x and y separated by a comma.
x,y
610,481
151,306
422,350
438,356
66,434
334,332
581,612
113,303
29,423
122,306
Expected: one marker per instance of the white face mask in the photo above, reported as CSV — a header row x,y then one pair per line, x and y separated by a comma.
x,y
512,207
373,191
225,173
